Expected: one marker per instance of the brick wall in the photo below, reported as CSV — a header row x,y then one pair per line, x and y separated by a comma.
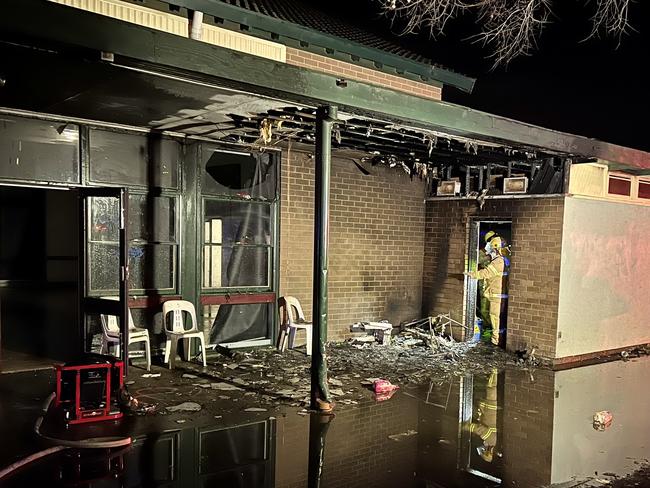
x,y
358,450
534,273
527,440
351,71
376,241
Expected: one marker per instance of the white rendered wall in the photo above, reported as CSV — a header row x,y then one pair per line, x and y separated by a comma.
x,y
604,298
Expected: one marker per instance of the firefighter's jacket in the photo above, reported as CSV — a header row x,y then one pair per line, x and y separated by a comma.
x,y
495,275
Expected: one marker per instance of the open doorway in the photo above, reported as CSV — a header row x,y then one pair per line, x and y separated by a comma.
x,y
38,277
489,254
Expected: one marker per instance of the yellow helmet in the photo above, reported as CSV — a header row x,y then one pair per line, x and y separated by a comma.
x,y
489,235
496,243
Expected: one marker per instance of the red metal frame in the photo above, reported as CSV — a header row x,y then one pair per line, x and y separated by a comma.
x,y
81,415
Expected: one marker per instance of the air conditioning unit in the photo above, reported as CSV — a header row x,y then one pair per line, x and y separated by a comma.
x,y
449,188
517,184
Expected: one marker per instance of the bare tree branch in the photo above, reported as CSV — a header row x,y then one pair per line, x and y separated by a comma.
x,y
612,17
510,28
433,15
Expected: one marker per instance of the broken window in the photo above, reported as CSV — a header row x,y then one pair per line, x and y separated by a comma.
x,y
239,175
152,243
134,159
39,150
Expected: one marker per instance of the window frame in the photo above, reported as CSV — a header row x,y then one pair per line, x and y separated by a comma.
x,y
270,247
206,149
175,245
87,147
621,177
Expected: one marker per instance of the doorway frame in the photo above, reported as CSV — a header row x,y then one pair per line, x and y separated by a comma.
x,y
31,184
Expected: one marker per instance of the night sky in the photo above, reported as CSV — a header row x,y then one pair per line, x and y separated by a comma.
x,y
589,88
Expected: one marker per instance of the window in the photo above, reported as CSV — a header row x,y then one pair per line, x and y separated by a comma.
x,y
134,159
237,245
39,150
644,189
152,243
619,185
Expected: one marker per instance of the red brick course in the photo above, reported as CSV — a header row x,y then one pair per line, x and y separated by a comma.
x,y
317,62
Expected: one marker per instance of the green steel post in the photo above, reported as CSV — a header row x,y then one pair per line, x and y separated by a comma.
x,y
325,119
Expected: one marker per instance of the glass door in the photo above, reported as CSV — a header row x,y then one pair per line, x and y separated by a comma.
x,y
98,312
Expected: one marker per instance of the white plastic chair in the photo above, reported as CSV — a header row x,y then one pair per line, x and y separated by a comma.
x,y
177,331
290,325
111,335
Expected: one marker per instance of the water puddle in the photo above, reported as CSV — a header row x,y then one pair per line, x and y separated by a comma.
x,y
505,428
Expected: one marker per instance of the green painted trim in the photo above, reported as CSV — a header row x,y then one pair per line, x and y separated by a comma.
x,y
161,51
188,241
262,26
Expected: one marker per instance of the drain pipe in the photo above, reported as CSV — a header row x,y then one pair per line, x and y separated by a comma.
x,y
325,120
196,24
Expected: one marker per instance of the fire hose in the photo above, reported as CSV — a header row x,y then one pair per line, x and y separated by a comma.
x,y
62,444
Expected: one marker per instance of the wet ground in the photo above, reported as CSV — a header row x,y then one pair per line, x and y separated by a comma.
x,y
476,419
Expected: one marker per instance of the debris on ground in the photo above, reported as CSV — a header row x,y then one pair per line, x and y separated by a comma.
x,y
151,375
403,435
255,409
130,404
264,378
379,331
526,356
185,407
224,386
602,420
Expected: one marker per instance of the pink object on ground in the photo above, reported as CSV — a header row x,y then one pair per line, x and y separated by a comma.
x,y
602,420
383,389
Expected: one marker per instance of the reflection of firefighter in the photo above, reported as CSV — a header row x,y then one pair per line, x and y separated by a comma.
x,y
495,283
486,425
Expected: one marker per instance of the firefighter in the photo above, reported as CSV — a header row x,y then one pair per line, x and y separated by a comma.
x,y
495,283
484,305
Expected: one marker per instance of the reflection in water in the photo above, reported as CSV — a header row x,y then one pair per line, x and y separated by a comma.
x,y
318,427
507,428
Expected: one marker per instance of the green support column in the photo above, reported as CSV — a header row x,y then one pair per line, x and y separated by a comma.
x,y
325,119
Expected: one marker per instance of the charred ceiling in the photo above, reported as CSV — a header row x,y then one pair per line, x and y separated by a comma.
x,y
478,167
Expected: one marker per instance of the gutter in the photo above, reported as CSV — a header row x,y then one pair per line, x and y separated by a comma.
x,y
258,22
